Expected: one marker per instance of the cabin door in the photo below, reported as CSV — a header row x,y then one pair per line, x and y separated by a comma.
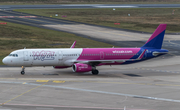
x,y
60,58
101,55
26,56
27,59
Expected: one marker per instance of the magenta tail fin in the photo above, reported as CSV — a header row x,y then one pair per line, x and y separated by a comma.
x,y
156,39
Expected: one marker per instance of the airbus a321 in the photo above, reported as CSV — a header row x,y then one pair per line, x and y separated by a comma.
x,y
87,59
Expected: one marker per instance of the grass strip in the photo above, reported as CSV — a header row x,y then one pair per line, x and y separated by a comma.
x,y
140,19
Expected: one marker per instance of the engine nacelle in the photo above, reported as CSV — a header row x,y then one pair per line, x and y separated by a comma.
x,y
78,67
60,67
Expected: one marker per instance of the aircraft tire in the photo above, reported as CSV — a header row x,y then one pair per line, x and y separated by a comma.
x,y
95,72
22,72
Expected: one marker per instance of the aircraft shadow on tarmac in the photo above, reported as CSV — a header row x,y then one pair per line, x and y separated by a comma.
x,y
103,74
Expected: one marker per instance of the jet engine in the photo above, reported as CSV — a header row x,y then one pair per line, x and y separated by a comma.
x,y
78,67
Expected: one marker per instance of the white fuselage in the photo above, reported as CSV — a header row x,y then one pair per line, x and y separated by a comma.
x,y
43,57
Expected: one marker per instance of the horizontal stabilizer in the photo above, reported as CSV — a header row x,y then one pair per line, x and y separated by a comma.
x,y
158,53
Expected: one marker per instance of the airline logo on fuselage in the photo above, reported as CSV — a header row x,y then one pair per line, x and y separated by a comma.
x,y
122,51
43,55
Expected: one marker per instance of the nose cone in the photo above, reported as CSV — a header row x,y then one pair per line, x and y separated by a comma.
x,y
5,61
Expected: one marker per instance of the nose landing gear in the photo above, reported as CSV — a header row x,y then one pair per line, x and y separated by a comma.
x,y
23,72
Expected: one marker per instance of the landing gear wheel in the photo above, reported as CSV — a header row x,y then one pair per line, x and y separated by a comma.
x,y
95,72
22,72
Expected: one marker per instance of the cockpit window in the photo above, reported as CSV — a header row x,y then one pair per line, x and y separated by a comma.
x,y
13,55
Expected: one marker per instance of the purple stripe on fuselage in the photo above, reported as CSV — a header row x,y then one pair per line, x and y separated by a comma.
x,y
159,30
108,53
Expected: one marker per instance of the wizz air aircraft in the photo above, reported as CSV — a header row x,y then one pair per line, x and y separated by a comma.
x,y
87,59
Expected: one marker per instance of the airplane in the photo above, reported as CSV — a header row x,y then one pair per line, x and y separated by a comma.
x,y
87,59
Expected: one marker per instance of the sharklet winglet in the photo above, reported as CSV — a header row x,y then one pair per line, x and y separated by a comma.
x,y
73,45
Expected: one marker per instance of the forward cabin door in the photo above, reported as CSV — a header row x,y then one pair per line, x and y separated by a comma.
x,y
60,55
26,56
27,60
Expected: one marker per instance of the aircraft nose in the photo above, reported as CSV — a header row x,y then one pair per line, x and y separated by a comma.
x,y
5,61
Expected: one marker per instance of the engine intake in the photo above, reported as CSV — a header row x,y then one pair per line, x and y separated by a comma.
x,y
78,67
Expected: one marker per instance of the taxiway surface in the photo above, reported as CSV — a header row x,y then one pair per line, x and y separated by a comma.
x,y
148,85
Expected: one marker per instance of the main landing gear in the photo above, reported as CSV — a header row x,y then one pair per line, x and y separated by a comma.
x,y
95,71
23,72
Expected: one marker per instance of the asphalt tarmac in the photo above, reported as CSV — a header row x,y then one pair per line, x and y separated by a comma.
x,y
149,85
